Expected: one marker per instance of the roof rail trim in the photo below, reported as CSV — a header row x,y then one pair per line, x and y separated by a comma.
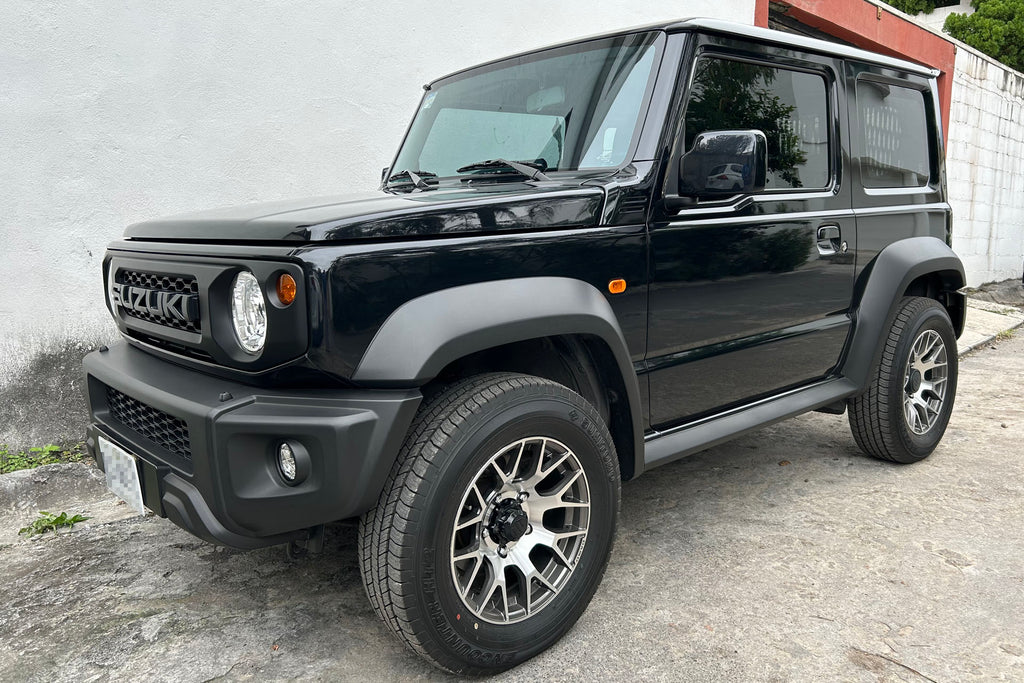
x,y
729,28
795,40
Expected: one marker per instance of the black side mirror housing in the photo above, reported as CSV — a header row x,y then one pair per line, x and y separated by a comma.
x,y
724,163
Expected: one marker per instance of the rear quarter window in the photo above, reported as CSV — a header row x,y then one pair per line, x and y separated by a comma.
x,y
894,140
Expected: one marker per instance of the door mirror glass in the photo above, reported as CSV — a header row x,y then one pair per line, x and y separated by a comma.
x,y
722,163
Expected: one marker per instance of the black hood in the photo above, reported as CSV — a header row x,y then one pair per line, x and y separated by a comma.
x,y
463,209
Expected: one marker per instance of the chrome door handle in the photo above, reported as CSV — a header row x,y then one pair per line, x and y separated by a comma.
x,y
829,238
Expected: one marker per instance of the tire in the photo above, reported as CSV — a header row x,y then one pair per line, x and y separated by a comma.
x,y
430,548
903,414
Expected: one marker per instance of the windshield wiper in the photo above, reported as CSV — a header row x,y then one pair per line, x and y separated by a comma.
x,y
530,169
418,178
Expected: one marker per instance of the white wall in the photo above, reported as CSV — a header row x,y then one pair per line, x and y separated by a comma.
x,y
113,112
985,167
937,17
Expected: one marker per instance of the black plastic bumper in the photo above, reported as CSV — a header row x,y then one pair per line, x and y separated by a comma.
x,y
224,484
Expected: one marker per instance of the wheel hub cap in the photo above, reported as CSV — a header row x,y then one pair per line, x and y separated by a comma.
x,y
915,382
509,523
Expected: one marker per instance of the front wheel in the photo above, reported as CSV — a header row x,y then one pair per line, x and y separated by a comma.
x,y
903,414
495,525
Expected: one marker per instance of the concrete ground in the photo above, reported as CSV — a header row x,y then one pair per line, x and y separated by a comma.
x,y
782,556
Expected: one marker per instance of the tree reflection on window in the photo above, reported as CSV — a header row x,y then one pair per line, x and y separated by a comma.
x,y
789,107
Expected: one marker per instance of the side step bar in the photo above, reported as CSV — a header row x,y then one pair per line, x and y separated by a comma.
x,y
664,447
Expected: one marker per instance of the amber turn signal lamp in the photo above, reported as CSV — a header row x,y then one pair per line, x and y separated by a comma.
x,y
286,289
617,286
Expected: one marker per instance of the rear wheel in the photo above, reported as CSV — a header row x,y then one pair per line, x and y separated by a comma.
x,y
495,525
904,412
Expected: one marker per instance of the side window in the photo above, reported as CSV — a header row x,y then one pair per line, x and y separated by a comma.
x,y
893,145
789,107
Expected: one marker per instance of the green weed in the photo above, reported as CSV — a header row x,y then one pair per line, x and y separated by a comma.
x,y
48,521
12,461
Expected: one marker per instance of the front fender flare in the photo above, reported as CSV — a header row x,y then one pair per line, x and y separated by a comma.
x,y
427,333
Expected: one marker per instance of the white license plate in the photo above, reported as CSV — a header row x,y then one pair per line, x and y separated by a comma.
x,y
122,474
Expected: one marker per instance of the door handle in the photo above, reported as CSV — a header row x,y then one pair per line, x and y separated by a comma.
x,y
829,240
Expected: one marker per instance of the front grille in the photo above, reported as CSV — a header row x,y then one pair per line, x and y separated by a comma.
x,y
172,347
174,284
162,429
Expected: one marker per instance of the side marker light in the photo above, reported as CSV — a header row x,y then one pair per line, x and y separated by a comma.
x,y
286,289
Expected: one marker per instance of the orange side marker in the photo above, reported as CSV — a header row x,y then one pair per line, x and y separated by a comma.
x,y
617,286
286,289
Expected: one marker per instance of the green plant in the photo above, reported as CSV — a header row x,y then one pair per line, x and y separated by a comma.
x,y
1005,335
913,6
47,521
12,461
996,28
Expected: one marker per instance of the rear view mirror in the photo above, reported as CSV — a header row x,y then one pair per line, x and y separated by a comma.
x,y
723,163
542,99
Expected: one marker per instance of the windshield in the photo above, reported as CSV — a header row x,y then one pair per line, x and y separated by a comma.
x,y
576,107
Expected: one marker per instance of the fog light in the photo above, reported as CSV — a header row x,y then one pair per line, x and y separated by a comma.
x,y
293,462
286,463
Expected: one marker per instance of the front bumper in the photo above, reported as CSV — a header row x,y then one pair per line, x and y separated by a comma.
x,y
218,477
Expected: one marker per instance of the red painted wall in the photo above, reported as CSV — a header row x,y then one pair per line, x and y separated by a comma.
x,y
875,28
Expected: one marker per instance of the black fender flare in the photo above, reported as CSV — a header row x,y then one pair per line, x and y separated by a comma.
x,y
427,333
881,286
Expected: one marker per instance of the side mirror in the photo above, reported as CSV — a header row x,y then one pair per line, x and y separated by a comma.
x,y
384,175
722,163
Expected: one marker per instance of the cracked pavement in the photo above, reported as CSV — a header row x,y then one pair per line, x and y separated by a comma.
x,y
784,556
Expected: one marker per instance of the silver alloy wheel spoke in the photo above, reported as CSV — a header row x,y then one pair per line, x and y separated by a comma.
x,y
924,385
503,573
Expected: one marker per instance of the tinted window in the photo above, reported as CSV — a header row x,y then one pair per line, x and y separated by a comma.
x,y
893,135
789,107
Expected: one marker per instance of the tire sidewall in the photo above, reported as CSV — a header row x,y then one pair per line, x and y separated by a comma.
x,y
455,630
919,446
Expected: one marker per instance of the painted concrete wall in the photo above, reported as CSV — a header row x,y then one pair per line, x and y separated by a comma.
x,y
115,111
937,17
985,167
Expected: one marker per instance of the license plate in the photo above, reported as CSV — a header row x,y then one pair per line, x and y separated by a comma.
x,y
122,474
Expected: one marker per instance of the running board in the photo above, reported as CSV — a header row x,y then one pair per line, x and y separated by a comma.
x,y
665,447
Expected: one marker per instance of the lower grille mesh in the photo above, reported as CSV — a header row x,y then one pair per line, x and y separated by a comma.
x,y
162,429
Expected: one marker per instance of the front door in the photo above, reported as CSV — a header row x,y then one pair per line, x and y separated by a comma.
x,y
750,293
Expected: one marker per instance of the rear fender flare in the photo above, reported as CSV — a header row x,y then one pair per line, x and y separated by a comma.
x,y
881,287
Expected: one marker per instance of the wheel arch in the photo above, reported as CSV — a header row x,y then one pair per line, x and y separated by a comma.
x,y
510,325
917,266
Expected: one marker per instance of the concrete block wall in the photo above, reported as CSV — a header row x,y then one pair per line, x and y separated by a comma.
x,y
937,17
113,112
985,167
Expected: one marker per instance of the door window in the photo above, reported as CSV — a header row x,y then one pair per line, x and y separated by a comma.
x,y
789,107
894,129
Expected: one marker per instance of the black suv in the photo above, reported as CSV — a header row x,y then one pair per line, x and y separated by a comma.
x,y
585,261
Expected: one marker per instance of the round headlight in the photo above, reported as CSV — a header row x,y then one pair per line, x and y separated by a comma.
x,y
249,312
